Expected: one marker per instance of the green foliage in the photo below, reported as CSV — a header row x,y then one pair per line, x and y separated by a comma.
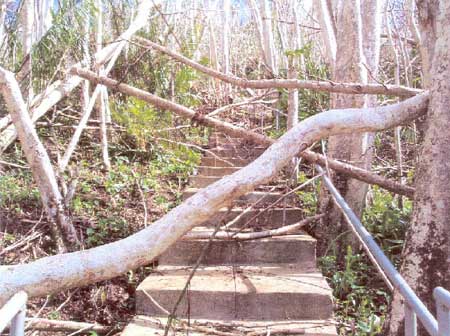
x,y
308,196
361,296
17,188
310,102
387,222
63,41
106,229
360,305
140,119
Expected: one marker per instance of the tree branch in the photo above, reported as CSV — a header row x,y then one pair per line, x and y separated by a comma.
x,y
230,129
328,86
64,271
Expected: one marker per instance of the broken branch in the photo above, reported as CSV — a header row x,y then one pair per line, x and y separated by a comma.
x,y
230,129
328,86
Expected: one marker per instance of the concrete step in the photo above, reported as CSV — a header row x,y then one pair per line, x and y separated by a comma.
x,y
297,249
272,218
201,181
217,171
240,153
224,161
251,197
151,326
241,292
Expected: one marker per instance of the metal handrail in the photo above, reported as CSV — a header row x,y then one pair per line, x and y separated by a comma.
x,y
442,297
14,311
414,306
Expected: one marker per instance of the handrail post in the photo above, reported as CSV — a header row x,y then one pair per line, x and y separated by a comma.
x,y
14,310
442,298
410,321
18,323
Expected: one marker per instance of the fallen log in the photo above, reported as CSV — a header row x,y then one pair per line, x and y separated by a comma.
x,y
228,128
328,86
64,271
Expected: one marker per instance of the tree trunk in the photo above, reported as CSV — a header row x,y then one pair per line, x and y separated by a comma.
x,y
327,31
28,21
259,28
428,11
418,102
327,86
39,163
425,256
102,98
352,147
269,47
2,23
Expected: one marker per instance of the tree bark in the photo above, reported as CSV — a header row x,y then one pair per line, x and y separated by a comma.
x,y
39,163
28,20
427,11
349,66
60,272
425,257
327,31
269,47
102,99
327,86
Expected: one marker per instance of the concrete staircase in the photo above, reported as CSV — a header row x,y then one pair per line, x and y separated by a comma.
x,y
253,287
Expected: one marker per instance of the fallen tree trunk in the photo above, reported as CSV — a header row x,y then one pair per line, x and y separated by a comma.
x,y
328,86
352,171
43,102
64,271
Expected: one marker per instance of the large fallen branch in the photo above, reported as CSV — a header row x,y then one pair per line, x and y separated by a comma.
x,y
239,132
64,271
43,102
328,86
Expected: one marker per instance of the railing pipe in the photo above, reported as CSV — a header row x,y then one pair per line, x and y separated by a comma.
x,y
424,315
442,298
410,321
14,311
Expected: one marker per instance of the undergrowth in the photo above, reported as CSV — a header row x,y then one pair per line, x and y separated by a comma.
x,y
362,299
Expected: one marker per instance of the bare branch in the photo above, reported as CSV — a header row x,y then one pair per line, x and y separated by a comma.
x,y
328,86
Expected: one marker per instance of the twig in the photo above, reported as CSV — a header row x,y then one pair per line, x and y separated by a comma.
x,y
13,165
225,235
21,242
191,275
144,202
277,201
58,326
